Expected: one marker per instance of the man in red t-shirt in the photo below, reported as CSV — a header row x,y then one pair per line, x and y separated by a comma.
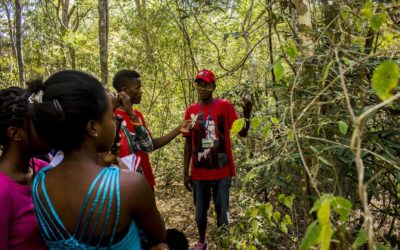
x,y
128,82
209,152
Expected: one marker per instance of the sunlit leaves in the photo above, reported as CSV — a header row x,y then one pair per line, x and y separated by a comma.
x,y
275,120
255,123
279,70
385,79
321,231
291,50
238,125
376,21
367,11
311,236
286,200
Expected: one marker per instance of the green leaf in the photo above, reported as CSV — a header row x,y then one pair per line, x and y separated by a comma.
x,y
291,50
325,161
290,135
361,239
345,12
275,120
343,127
268,210
255,123
283,227
324,198
287,219
311,236
342,207
251,247
238,125
266,131
276,216
385,79
325,236
271,101
367,11
376,21
326,72
286,200
324,213
278,70
388,37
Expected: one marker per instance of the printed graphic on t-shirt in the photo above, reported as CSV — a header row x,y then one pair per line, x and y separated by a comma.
x,y
209,146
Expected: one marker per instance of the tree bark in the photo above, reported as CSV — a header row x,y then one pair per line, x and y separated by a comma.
x,y
304,26
18,35
103,39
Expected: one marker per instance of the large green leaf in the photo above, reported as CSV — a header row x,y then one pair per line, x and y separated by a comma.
x,y
325,236
238,125
311,236
342,207
376,21
324,213
385,79
279,70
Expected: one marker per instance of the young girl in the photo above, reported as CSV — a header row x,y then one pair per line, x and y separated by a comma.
x,y
80,204
18,226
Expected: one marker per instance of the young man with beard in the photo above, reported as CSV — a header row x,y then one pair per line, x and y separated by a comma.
x,y
129,85
209,152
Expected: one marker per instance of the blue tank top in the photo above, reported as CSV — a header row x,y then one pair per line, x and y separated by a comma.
x,y
55,234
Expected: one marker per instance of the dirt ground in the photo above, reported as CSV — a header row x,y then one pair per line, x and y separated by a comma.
x,y
176,205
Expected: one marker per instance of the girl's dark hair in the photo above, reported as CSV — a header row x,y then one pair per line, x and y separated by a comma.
x,y
13,111
70,100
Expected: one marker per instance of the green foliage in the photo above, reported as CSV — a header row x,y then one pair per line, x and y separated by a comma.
x,y
279,70
367,11
321,230
385,79
291,50
343,127
377,20
238,125
326,72
361,239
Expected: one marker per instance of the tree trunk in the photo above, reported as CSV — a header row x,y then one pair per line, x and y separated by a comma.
x,y
304,26
18,31
141,8
103,39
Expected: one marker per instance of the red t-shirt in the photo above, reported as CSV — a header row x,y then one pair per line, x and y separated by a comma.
x,y
124,145
211,142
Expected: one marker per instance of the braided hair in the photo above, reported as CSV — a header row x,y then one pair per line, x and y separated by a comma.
x,y
13,111
70,100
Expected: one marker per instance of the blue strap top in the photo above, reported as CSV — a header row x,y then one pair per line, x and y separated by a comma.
x,y
56,235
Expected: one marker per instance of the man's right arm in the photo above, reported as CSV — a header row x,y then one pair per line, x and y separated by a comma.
x,y
186,163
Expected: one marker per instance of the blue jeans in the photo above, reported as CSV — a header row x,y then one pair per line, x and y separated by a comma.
x,y
219,189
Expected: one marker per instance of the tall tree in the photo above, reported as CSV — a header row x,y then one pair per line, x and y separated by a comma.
x,y
103,39
18,36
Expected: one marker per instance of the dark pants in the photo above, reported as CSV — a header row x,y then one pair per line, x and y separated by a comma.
x,y
219,189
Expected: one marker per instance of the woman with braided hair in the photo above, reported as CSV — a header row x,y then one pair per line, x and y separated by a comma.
x,y
81,204
18,226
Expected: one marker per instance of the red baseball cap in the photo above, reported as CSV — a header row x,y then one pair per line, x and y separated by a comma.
x,y
206,75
